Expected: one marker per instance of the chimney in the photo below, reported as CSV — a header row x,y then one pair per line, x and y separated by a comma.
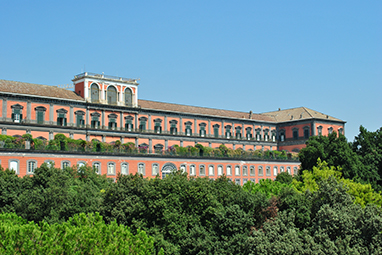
x,y
250,114
279,109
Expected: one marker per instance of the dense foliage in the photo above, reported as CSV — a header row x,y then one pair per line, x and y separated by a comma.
x,y
324,210
82,234
63,143
360,160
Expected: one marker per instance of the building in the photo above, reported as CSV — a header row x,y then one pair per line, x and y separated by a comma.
x,y
107,108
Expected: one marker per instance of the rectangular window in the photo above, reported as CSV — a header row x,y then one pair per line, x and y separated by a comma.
x,y
16,115
216,132
40,117
173,129
124,169
111,168
258,136
112,124
249,135
157,128
261,171
128,125
306,133
155,169
188,130
266,136
202,132
228,133
31,167
295,134
61,120
142,126
80,121
95,122
237,181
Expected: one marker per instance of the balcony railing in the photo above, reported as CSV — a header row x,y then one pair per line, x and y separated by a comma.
x,y
103,76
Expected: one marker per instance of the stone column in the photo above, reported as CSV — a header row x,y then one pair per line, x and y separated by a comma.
x,y
136,142
223,128
150,150
136,121
149,121
165,144
4,113
71,116
209,127
195,127
51,114
180,124
181,143
103,119
29,112
121,121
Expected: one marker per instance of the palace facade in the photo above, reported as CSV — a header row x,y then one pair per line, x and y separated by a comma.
x,y
107,108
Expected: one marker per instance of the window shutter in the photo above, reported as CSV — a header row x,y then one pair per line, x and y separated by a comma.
x,y
13,116
21,116
65,122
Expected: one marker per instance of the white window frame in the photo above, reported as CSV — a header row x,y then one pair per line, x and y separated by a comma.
x,y
141,168
237,170
261,171
34,162
183,168
202,170
268,171
211,170
220,170
110,168
153,171
124,171
245,170
97,169
252,171
63,162
275,171
229,170
15,163
192,170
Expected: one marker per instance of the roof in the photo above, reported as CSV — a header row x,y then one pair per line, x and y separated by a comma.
x,y
37,90
299,113
146,104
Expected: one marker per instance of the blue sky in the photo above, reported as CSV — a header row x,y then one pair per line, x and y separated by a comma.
x,y
237,55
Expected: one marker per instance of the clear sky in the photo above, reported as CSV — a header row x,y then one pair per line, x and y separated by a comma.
x,y
236,55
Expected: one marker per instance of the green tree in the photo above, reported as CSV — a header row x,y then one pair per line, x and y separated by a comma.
x,y
54,195
186,215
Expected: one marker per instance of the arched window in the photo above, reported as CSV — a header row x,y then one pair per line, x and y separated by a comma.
x,y
111,95
192,170
229,170
237,170
141,169
14,165
97,167
111,168
288,170
275,171
128,97
295,172
31,166
65,164
211,170
202,170
124,168
220,170
252,171
94,90
261,171
155,169
268,171
245,170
